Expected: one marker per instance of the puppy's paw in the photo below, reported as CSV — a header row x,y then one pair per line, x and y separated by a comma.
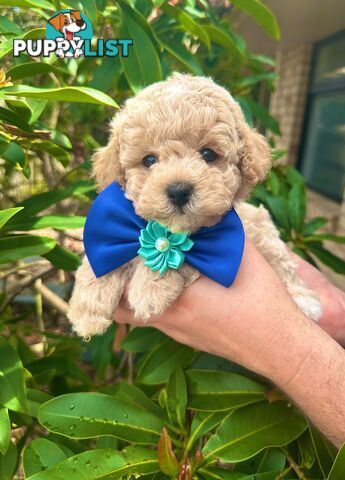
x,y
86,323
145,307
309,303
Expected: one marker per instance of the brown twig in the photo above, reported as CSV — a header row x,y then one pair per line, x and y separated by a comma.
x,y
295,467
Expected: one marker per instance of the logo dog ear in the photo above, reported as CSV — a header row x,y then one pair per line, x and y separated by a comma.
x,y
76,13
57,21
106,161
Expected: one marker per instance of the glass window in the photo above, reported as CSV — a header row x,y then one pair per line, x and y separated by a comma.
x,y
323,154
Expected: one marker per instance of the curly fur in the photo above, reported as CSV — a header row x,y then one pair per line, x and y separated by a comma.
x,y
174,120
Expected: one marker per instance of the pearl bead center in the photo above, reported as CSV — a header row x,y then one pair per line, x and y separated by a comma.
x,y
162,244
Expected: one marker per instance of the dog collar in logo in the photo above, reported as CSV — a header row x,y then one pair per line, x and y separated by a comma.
x,y
114,235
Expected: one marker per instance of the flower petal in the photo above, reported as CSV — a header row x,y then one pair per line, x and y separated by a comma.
x,y
148,253
156,264
158,230
177,238
175,258
146,237
186,245
164,267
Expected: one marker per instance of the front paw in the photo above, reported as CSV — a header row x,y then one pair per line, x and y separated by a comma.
x,y
87,323
146,306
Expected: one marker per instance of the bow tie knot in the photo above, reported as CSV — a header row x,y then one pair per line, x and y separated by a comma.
x,y
114,234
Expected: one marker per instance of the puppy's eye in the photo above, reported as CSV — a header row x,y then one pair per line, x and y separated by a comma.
x,y
149,160
208,155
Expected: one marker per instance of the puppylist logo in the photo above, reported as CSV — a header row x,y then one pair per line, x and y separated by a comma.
x,y
69,34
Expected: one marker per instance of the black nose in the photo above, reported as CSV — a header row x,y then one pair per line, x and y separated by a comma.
x,y
179,193
80,23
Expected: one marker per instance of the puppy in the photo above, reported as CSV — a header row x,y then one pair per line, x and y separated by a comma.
x,y
68,24
173,123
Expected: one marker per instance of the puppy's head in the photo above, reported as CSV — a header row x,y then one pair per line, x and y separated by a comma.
x,y
70,21
183,153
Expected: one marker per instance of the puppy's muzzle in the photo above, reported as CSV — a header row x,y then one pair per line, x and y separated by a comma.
x,y
179,193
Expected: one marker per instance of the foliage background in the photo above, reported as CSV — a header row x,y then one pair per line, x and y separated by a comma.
x,y
150,406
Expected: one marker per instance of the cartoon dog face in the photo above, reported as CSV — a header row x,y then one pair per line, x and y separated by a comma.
x,y
68,23
183,153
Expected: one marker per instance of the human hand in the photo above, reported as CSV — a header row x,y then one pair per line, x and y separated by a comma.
x,y
246,323
332,299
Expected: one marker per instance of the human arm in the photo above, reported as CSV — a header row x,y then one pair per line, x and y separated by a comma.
x,y
256,323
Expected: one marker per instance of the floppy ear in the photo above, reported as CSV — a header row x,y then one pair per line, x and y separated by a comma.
x,y
106,161
76,13
255,157
56,21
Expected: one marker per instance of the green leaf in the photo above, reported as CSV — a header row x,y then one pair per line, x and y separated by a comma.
x,y
278,207
35,398
166,457
224,39
203,423
63,258
88,415
63,94
106,75
134,395
250,80
325,451
30,69
12,385
261,113
338,468
54,150
307,450
177,398
100,348
14,118
247,431
314,224
7,46
15,248
5,215
41,454
158,364
8,463
28,3
7,26
14,154
273,183
188,23
103,464
142,339
332,261
59,222
142,67
41,201
212,390
318,237
5,430
261,14
180,52
293,176
296,206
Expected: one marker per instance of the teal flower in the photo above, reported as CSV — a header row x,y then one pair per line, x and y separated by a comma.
x,y
162,249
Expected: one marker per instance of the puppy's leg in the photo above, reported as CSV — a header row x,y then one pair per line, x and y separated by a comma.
x,y
261,231
94,299
150,293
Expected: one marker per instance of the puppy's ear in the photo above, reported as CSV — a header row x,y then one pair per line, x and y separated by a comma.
x,y
57,21
106,162
255,156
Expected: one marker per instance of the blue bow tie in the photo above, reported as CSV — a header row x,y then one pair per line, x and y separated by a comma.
x,y
114,234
